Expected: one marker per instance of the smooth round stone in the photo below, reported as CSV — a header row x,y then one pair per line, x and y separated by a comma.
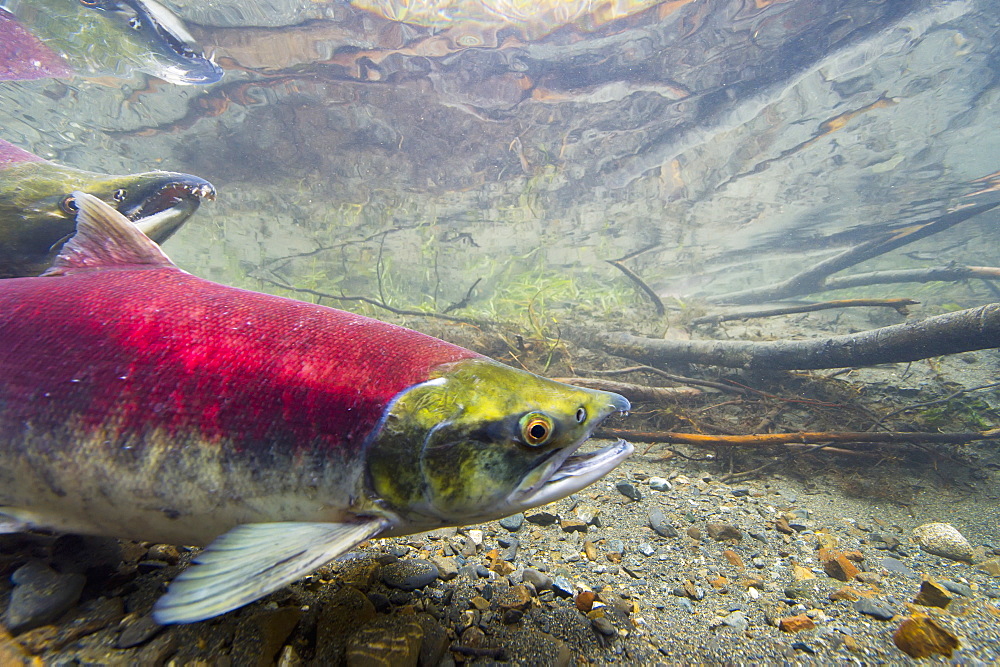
x,y
513,522
410,574
943,539
874,608
539,580
40,596
603,626
659,484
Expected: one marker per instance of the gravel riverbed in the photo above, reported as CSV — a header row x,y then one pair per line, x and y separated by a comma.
x,y
658,563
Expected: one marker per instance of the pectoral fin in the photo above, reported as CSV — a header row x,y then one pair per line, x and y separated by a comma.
x,y
253,560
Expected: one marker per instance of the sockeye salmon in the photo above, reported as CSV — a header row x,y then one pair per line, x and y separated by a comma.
x,y
37,208
139,401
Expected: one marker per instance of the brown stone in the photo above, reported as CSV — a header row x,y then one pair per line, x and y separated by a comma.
x,y
386,643
585,601
259,639
694,533
851,644
590,550
840,567
516,597
781,525
991,566
719,583
796,623
919,636
723,532
800,573
480,603
733,558
573,525
932,594
845,593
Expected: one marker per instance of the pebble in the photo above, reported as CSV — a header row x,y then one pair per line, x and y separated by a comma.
x,y
541,518
874,608
409,575
658,522
539,580
616,546
957,587
898,567
513,522
602,625
646,549
587,514
40,596
736,620
573,526
628,490
447,567
563,586
932,595
723,531
944,540
138,632
659,484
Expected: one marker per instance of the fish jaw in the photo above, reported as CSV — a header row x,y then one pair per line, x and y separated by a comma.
x,y
481,441
37,213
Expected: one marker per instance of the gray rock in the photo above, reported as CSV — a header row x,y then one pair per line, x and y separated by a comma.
x,y
646,549
539,580
603,626
616,546
562,585
874,608
898,567
957,587
513,522
659,484
943,539
659,523
587,514
741,493
40,596
447,567
410,574
138,632
509,554
627,489
541,518
736,620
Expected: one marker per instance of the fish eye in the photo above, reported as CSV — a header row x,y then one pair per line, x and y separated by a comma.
x,y
119,195
135,23
536,428
581,415
68,205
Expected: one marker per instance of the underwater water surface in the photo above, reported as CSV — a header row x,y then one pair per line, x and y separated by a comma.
x,y
718,144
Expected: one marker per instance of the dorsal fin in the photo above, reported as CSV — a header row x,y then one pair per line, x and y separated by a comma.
x,y
104,237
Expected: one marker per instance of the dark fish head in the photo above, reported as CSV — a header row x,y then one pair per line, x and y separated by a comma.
x,y
38,214
482,440
118,37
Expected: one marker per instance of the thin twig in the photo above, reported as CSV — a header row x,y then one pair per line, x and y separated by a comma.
x,y
721,386
634,277
465,300
373,302
634,392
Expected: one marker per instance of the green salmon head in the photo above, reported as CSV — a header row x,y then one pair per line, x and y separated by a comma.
x,y
481,441
115,37
38,214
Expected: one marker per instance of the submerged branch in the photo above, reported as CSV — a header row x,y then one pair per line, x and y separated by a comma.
x,y
940,273
961,331
813,279
898,304
647,290
634,392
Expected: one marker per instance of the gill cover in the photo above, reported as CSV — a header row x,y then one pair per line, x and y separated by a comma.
x,y
474,441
